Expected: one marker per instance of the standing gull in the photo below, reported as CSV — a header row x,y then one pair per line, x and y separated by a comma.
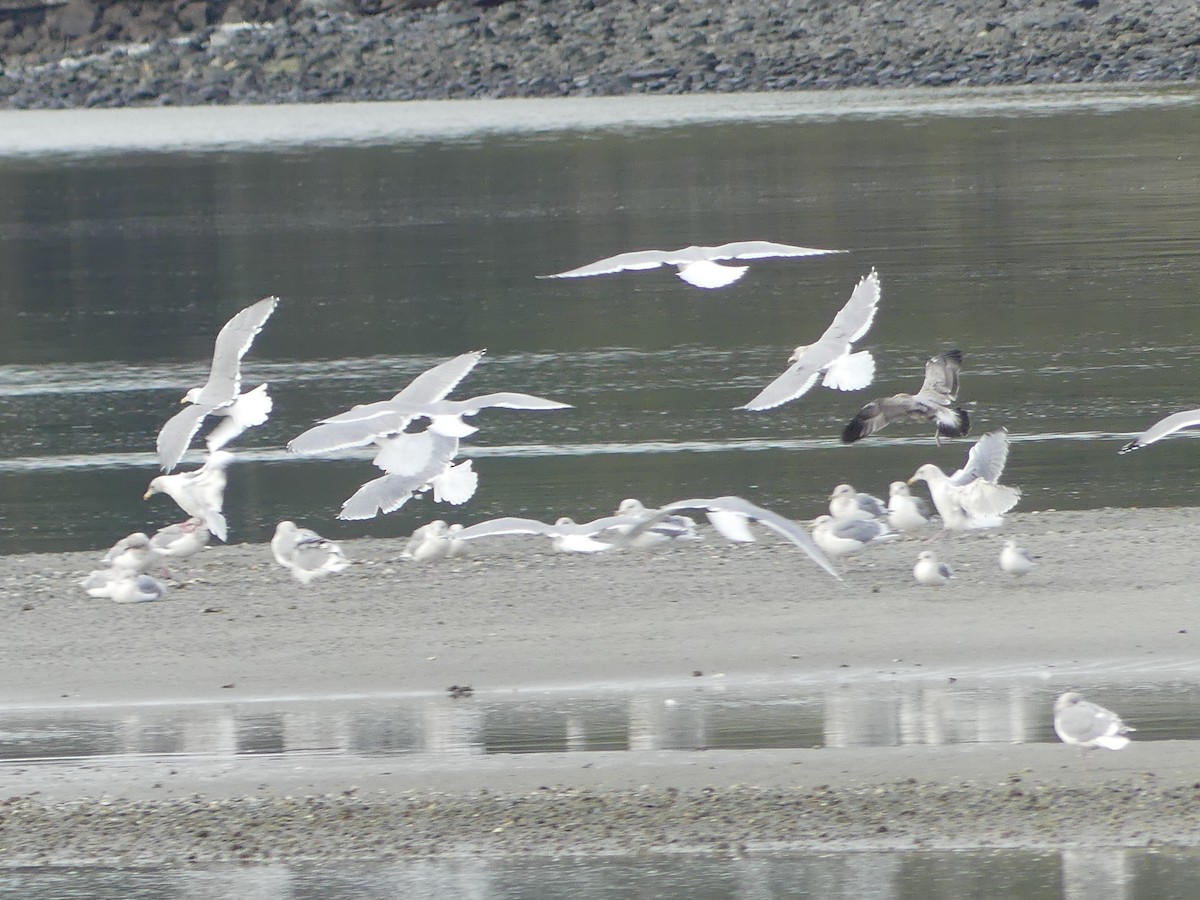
x,y
697,266
932,403
305,553
904,511
844,371
1159,430
972,497
929,572
220,394
1076,721
847,503
732,516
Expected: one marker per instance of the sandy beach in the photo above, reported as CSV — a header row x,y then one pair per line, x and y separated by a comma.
x,y
1112,600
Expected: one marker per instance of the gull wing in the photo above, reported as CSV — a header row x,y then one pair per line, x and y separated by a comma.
x,y
502,399
176,435
854,319
795,381
381,495
941,378
757,250
636,260
1159,430
439,381
985,460
777,523
233,340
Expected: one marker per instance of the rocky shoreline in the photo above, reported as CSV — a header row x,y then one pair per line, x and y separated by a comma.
x,y
112,53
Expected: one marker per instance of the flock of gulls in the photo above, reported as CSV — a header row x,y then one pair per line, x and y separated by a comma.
x,y
416,437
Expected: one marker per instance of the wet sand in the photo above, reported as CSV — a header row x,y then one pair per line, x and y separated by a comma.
x,y
1114,599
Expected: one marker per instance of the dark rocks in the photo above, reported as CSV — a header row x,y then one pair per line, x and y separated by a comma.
x,y
306,50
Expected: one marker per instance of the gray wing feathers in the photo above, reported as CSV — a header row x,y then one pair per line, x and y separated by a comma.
x,y
233,340
941,378
796,380
1159,430
854,319
176,435
985,460
439,381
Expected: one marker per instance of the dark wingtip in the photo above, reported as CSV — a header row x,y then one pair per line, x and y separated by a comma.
x,y
1132,445
955,355
959,430
853,431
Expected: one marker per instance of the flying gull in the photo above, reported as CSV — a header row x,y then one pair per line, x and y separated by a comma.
x,y
844,371
732,516
929,572
698,266
305,553
220,394
199,493
1159,430
567,535
972,497
663,531
1076,721
932,403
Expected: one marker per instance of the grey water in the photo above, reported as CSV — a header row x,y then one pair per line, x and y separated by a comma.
x,y
1053,240
1120,874
706,716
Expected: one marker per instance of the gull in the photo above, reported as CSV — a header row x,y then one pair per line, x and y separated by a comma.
x,y
220,394
731,516
929,572
567,535
846,537
904,511
415,462
972,496
181,539
847,503
697,266
932,403
199,493
306,553
844,371
1016,560
123,586
133,553
1076,721
433,541
1159,430
665,530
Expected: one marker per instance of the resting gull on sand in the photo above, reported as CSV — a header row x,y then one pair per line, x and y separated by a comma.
x,y
1177,422
698,266
929,572
932,403
664,531
1016,560
732,517
972,496
123,586
433,541
830,354
133,553
220,394
199,493
904,511
1076,721
847,503
305,553
845,537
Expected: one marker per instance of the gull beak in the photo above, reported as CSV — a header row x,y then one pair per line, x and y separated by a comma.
x,y
147,495
912,480
183,400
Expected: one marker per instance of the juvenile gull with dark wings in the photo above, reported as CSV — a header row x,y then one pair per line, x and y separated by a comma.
x,y
697,265
930,404
844,371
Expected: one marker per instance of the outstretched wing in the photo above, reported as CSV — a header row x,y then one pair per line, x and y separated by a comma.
x,y
1159,430
941,378
233,340
985,460
854,319
636,260
176,435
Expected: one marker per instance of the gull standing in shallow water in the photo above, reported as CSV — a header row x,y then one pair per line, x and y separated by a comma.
x,y
220,394
305,553
731,516
972,496
932,403
1187,419
698,266
844,371
1076,721
929,572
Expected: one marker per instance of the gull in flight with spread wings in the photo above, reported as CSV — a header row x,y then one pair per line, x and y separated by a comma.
x,y
972,497
844,371
1159,430
220,394
698,266
930,404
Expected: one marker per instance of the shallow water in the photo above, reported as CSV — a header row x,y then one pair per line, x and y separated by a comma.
x,y
708,715
1119,874
1050,237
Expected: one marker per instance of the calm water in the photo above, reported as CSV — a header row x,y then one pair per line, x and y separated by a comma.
x,y
1057,246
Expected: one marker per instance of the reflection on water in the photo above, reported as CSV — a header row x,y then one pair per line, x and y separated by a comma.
x,y
534,722
1114,874
1059,251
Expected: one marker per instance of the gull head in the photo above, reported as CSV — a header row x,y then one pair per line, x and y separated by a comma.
x,y
155,487
192,396
928,472
798,352
899,489
843,490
